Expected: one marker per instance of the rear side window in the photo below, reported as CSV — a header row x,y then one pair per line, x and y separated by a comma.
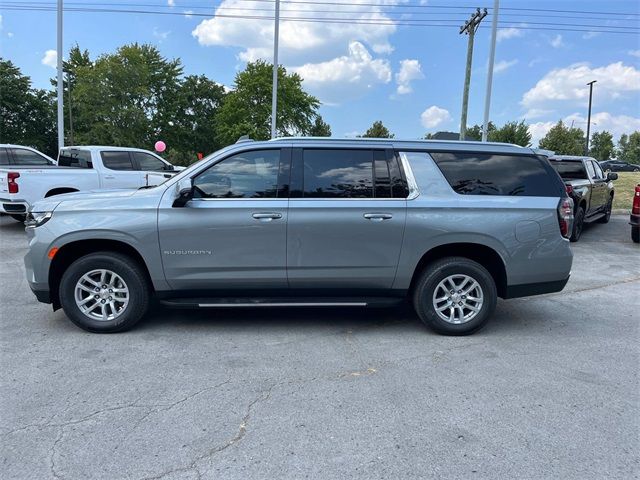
x,y
570,170
69,157
471,173
22,156
4,156
117,160
334,173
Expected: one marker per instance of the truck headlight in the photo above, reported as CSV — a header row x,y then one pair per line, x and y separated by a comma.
x,y
35,219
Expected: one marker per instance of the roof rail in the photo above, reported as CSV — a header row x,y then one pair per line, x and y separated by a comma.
x,y
394,140
244,138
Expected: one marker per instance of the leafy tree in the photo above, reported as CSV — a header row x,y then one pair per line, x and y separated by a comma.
x,y
601,145
475,133
511,132
377,130
320,128
246,110
27,115
629,147
119,99
564,140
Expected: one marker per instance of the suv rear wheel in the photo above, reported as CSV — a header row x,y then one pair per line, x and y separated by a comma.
x,y
104,292
455,296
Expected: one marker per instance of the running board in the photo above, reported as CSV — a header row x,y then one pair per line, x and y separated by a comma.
x,y
280,302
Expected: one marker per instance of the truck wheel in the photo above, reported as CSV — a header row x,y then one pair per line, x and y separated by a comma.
x,y
104,292
19,218
578,225
635,234
455,296
607,214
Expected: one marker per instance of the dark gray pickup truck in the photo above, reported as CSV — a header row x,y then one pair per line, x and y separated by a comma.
x,y
590,188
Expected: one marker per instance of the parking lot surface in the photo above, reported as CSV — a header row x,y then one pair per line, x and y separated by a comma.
x,y
549,389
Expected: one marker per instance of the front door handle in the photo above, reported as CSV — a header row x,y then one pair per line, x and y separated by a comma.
x,y
267,216
377,217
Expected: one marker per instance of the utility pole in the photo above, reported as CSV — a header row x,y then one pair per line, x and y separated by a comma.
x,y
274,93
71,142
586,147
60,80
492,57
469,27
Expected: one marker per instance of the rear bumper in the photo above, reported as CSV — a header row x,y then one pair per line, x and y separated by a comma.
x,y
530,289
634,221
13,207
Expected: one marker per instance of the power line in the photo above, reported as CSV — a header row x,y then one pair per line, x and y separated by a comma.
x,y
354,21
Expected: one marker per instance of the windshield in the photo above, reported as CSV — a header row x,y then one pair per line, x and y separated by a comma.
x,y
570,170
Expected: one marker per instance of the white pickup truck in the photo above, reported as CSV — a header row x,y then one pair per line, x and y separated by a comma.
x,y
79,169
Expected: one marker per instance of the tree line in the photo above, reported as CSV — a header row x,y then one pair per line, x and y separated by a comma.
x,y
135,96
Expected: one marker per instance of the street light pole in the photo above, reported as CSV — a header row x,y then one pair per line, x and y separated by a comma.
x,y
274,93
60,80
492,57
586,148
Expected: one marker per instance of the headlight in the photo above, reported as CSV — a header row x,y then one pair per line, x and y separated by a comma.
x,y
35,219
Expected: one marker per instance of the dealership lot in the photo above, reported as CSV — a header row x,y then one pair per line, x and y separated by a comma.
x,y
550,389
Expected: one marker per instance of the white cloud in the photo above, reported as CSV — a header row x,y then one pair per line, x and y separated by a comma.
x,y
50,59
299,41
634,53
346,76
570,84
434,116
556,42
171,3
410,70
590,35
10,34
616,124
507,33
503,65
160,35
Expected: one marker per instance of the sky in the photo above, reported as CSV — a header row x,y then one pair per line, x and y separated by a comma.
x,y
365,68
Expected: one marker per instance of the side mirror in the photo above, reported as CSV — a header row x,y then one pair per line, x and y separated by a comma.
x,y
184,193
612,176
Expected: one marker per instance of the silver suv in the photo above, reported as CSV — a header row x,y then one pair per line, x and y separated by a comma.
x,y
450,226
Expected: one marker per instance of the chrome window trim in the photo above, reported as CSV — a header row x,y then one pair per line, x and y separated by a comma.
x,y
414,192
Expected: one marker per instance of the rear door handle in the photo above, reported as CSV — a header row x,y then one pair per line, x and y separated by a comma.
x,y
377,217
267,216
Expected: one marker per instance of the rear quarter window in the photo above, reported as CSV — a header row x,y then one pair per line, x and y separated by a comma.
x,y
471,173
69,157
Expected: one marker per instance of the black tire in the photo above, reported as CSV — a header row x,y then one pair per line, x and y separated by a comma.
x,y
607,213
436,272
578,225
129,271
18,217
635,234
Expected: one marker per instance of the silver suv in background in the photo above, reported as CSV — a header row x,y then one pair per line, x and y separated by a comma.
x,y
451,226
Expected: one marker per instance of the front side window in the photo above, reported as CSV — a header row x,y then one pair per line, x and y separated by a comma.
x,y
330,173
599,174
245,175
23,156
590,171
117,160
473,173
148,162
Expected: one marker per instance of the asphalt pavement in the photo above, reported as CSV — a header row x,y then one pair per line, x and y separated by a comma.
x,y
548,390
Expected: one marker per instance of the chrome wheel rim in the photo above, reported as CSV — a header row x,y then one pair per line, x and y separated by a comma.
x,y
458,299
101,295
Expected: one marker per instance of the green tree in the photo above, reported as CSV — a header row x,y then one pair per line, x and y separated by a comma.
x,y
475,133
320,128
119,99
377,130
27,115
511,132
629,147
246,110
601,147
564,140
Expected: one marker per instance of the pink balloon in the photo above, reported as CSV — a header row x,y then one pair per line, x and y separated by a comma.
x,y
160,146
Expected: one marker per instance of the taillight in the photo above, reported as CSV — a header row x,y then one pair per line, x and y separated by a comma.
x,y
635,209
11,181
565,216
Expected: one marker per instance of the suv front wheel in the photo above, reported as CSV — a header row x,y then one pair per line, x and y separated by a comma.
x,y
104,292
455,296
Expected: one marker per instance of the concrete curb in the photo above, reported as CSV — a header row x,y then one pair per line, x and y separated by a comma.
x,y
621,211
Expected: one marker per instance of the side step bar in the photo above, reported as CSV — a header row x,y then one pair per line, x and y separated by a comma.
x,y
280,302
